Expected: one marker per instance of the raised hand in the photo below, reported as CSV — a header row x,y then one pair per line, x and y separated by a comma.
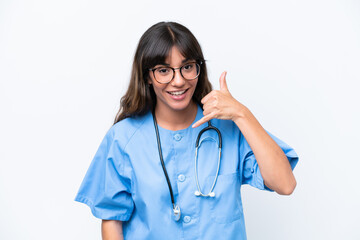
x,y
219,104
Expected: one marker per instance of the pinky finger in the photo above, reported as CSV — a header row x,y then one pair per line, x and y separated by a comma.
x,y
203,120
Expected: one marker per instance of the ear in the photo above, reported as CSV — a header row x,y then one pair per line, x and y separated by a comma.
x,y
148,80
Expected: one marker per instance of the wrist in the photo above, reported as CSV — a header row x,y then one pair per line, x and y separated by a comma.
x,y
242,113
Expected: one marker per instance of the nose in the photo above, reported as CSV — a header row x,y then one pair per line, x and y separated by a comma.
x,y
178,80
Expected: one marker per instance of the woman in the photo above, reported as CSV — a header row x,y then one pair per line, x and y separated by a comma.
x,y
143,181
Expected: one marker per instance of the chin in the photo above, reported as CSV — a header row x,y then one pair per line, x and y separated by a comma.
x,y
178,106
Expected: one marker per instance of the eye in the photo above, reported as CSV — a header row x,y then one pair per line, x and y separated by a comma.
x,y
188,67
163,70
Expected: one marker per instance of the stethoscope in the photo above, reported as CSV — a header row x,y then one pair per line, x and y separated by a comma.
x,y
198,193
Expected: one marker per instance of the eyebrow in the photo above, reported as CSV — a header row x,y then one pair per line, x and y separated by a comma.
x,y
182,62
185,60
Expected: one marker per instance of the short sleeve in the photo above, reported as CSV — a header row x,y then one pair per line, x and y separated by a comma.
x,y
106,188
251,173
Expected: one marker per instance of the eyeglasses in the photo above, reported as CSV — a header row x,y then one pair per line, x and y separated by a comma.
x,y
189,71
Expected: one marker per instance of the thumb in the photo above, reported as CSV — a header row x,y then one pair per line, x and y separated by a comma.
x,y
223,85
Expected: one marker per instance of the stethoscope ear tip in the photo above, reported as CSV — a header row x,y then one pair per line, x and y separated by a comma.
x,y
211,194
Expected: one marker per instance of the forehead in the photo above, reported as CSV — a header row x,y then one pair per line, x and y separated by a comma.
x,y
174,56
168,55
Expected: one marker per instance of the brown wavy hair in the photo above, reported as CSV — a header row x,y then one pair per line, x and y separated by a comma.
x,y
153,48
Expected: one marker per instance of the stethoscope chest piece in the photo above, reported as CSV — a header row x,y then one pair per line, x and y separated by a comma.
x,y
177,213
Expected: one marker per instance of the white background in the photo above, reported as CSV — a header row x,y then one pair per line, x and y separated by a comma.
x,y
65,64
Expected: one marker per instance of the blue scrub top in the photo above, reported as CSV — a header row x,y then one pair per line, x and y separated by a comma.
x,y
125,180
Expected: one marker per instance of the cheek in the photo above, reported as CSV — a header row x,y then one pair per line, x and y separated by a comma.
x,y
157,89
194,84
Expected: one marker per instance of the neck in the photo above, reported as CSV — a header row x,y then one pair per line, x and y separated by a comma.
x,y
176,120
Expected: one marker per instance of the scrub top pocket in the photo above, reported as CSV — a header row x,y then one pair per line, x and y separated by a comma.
x,y
226,206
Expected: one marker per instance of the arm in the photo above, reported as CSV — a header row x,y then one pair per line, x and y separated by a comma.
x,y
111,230
273,163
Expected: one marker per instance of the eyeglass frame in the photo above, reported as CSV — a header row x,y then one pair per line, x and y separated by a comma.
x,y
196,62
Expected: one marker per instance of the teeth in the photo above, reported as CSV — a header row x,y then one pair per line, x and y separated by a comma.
x,y
177,93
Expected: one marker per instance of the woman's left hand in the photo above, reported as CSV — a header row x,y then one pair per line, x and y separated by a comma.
x,y
220,104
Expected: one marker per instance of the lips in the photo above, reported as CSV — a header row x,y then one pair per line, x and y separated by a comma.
x,y
177,93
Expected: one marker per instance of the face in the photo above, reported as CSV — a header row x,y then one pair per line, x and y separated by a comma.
x,y
177,94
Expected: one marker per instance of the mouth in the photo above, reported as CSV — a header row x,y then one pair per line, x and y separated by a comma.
x,y
177,93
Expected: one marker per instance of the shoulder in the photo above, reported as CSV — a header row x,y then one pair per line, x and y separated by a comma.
x,y
124,130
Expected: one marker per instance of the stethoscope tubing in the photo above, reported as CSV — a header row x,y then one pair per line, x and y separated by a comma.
x,y
176,208
199,192
162,161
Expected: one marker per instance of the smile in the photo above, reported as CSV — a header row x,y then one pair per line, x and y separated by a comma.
x,y
177,93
